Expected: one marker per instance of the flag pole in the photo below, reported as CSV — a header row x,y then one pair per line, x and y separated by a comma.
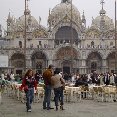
x,y
115,41
71,40
25,38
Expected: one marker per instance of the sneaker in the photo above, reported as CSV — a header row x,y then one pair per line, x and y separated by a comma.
x,y
29,110
51,108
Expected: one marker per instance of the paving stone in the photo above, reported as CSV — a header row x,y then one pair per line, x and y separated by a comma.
x,y
86,108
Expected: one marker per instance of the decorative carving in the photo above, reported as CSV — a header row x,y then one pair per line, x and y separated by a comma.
x,y
66,53
39,33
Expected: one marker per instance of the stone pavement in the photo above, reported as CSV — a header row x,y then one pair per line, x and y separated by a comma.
x,y
86,108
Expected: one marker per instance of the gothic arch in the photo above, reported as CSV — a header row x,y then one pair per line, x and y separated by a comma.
x,y
63,33
44,53
17,60
39,60
99,53
111,61
94,62
74,26
66,58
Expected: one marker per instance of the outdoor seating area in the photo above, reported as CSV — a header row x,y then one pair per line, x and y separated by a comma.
x,y
101,93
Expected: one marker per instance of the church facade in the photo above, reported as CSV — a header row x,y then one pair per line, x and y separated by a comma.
x,y
67,43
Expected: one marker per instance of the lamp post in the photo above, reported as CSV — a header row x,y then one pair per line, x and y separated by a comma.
x,y
25,13
71,40
115,41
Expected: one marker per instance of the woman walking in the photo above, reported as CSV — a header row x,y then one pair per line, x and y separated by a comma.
x,y
29,83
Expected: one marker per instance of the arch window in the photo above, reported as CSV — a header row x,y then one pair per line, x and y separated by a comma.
x,y
92,44
20,44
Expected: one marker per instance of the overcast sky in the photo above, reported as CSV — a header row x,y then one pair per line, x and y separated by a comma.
x,y
41,8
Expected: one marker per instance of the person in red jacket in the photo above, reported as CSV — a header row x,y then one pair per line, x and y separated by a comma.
x,y
28,84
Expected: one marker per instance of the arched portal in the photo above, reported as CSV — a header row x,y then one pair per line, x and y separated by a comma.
x,y
65,34
39,61
111,62
66,59
17,62
94,62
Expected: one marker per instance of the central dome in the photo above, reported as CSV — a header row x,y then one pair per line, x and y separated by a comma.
x,y
62,10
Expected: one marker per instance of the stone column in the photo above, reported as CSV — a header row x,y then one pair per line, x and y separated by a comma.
x,y
104,66
84,66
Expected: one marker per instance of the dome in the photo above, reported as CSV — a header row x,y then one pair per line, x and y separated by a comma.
x,y
61,10
30,20
108,22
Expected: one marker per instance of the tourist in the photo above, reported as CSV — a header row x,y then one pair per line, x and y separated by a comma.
x,y
58,84
29,83
47,86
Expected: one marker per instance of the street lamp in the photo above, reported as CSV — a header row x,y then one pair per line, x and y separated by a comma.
x,y
71,40
25,13
115,40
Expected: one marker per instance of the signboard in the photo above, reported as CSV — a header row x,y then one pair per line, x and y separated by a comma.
x,y
3,61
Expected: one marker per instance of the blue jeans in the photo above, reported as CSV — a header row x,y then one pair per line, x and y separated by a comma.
x,y
47,96
58,92
29,97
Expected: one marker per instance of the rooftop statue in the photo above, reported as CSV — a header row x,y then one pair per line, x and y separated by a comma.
x,y
64,1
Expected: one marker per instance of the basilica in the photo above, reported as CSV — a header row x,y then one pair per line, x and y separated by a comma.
x,y
67,42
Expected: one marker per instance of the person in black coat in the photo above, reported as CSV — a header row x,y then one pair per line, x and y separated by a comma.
x,y
107,79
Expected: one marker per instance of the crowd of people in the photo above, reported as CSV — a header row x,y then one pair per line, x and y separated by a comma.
x,y
56,80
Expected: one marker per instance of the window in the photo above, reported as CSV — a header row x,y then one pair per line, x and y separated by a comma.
x,y
92,44
39,42
111,43
20,44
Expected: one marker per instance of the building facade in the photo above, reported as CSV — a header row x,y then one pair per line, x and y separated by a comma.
x,y
67,43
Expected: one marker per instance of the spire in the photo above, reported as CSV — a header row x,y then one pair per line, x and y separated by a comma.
x,y
102,14
102,2
83,19
27,12
49,11
102,11
9,16
39,20
9,19
83,16
49,21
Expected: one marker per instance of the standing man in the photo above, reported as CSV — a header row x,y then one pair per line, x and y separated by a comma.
x,y
47,81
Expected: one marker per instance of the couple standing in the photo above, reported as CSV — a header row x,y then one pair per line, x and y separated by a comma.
x,y
52,79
